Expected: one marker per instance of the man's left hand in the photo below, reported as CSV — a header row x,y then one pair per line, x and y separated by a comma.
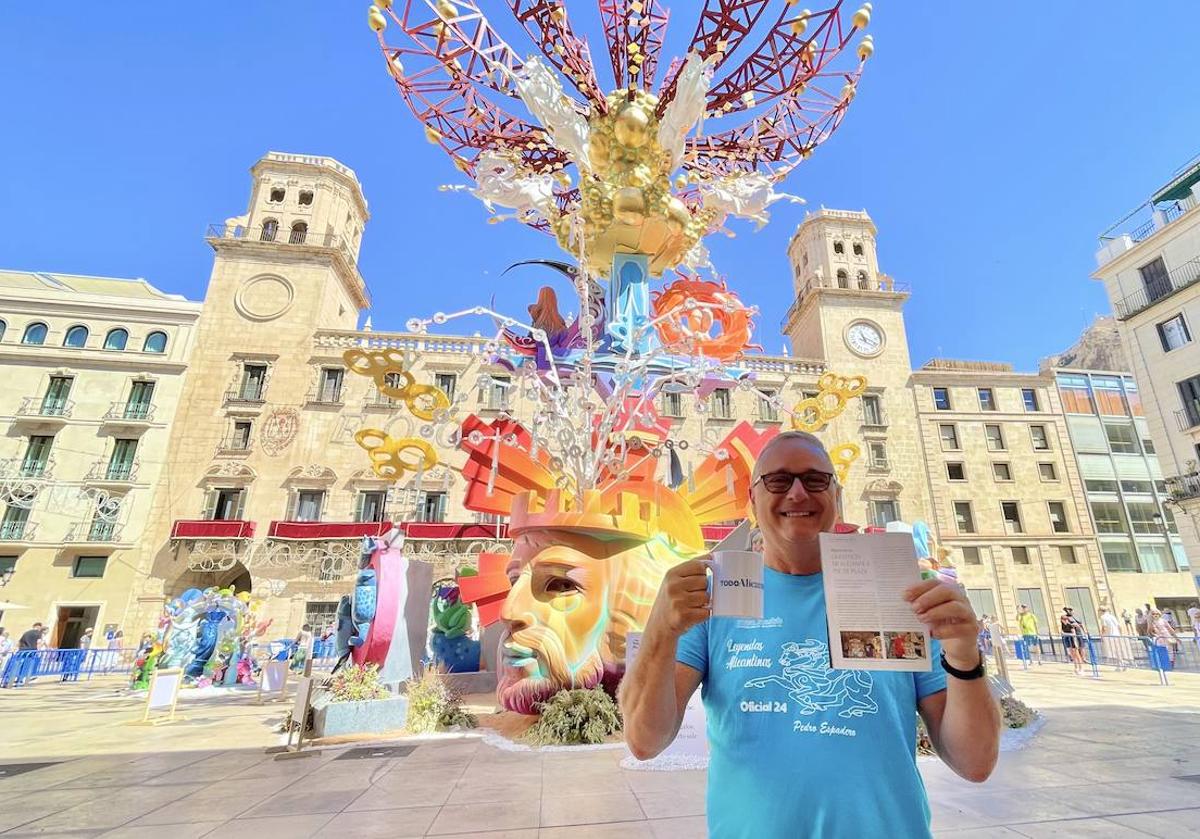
x,y
946,612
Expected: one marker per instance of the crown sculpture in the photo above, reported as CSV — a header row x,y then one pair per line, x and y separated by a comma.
x,y
601,495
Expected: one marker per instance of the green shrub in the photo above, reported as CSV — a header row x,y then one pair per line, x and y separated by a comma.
x,y
433,705
574,717
357,684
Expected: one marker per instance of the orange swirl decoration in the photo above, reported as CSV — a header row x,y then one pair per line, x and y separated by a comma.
x,y
690,329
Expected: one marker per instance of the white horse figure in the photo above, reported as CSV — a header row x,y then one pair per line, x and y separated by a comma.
x,y
745,195
814,686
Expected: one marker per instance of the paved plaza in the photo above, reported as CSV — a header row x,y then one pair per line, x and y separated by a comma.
x,y
1116,757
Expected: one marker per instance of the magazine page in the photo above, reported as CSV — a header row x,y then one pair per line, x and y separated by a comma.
x,y
871,625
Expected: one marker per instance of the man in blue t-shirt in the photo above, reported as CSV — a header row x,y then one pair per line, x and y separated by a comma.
x,y
798,748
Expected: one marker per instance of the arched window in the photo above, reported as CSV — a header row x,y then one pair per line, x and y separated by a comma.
x,y
858,250
843,278
838,247
277,195
863,282
35,333
306,198
269,229
3,329
76,337
155,342
299,231
116,339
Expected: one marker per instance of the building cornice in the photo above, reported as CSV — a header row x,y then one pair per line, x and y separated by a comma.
x,y
1142,251
126,361
275,252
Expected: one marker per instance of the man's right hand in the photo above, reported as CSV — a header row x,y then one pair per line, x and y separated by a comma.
x,y
683,599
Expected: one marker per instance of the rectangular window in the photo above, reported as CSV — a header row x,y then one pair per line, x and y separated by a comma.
x,y
956,471
1147,445
673,404
104,520
37,456
320,617
872,408
89,566
141,395
883,512
447,383
330,388
432,506
242,435
1020,555
370,506
1041,443
1058,517
1001,471
1108,396
722,404
1076,394
1155,558
1134,487
1189,395
1048,471
494,395
963,518
1010,511
12,529
1173,333
1030,398
995,438
1080,600
254,380
1066,555
949,438
1132,397
1122,438
766,406
308,505
1108,517
971,556
1155,279
54,403
983,601
941,398
226,504
987,399
1141,517
1099,485
1118,556
120,464
878,456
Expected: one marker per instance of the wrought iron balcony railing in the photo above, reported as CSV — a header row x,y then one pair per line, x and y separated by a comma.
x,y
132,411
1179,278
1184,487
17,531
41,406
95,531
28,468
108,470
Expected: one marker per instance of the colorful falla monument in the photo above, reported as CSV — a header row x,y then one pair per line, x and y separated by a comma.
x,y
599,497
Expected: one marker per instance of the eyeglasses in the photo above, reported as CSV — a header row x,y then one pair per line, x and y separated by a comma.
x,y
781,482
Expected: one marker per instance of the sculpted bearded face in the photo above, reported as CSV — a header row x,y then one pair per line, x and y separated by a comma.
x,y
574,599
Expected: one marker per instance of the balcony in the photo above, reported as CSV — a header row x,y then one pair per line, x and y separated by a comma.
x,y
16,533
1184,487
97,532
112,472
331,396
235,447
281,235
130,414
1181,277
881,283
212,529
45,411
1188,418
248,397
30,469
326,530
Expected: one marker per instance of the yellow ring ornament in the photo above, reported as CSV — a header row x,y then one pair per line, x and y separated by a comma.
x,y
842,457
385,452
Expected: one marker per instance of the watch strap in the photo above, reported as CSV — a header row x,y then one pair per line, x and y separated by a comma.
x,y
978,672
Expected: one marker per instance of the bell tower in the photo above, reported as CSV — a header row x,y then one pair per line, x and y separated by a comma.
x,y
850,314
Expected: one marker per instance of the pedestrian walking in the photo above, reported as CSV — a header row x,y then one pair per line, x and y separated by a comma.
x,y
985,636
1073,635
1028,626
1164,634
1115,647
7,645
85,640
1128,621
30,638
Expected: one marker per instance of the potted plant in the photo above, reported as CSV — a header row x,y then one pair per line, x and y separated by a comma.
x,y
357,702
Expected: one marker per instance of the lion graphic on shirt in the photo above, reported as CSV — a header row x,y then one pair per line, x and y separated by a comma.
x,y
814,686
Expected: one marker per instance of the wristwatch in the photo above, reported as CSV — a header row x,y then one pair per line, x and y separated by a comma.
x,y
978,672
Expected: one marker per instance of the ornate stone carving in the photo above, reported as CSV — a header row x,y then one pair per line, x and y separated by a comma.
x,y
278,430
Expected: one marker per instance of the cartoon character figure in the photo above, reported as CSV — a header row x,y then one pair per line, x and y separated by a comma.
x,y
814,686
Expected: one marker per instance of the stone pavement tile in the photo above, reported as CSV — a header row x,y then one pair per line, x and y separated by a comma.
x,y
191,830
114,809
287,768
276,827
1082,828
622,830
495,834
460,750
60,773
1003,807
384,824
415,794
27,807
977,833
404,776
306,796
216,768
1112,799
590,809
647,782
224,800
497,787
665,805
583,782
1169,824
497,815
685,827
118,776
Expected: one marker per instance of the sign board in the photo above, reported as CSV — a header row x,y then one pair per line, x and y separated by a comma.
x,y
163,696
273,680
691,743
304,689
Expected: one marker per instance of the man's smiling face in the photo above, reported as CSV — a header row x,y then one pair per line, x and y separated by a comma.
x,y
797,515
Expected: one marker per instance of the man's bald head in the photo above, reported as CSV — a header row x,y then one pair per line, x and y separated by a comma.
x,y
791,438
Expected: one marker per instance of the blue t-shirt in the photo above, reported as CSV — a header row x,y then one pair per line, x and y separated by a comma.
x,y
797,748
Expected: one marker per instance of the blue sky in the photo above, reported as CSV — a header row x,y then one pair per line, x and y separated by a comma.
x,y
991,142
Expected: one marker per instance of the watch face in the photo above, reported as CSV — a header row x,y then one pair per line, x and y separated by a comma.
x,y
864,338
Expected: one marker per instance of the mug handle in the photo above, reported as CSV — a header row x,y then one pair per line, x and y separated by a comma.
x,y
711,564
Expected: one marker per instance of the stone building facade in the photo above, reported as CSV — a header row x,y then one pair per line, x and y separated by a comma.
x,y
261,484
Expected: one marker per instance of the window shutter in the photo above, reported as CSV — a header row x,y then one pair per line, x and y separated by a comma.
x,y
210,504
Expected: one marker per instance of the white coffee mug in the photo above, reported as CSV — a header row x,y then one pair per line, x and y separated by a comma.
x,y
737,584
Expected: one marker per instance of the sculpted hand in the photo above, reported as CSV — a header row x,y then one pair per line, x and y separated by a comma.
x,y
946,612
682,600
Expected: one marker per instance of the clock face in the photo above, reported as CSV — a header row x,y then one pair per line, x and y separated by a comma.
x,y
864,338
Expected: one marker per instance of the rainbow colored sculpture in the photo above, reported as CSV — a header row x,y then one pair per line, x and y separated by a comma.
x,y
207,634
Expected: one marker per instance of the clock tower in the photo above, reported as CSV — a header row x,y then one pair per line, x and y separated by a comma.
x,y
851,315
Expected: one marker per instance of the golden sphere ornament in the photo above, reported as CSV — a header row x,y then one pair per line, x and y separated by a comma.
x,y
375,19
632,126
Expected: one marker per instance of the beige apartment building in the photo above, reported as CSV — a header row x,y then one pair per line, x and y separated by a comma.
x,y
1149,263
93,368
261,485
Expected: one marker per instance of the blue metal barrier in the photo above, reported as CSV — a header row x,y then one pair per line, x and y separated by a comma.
x,y
1122,651
22,666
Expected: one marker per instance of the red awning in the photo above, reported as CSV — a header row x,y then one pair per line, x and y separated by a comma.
x,y
452,530
203,529
327,529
